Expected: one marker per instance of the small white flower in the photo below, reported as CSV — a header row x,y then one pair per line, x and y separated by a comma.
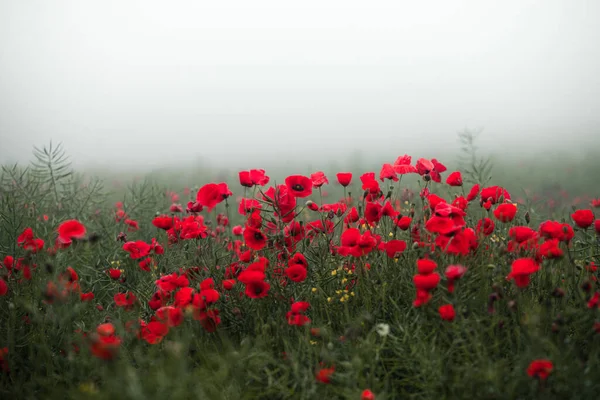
x,y
382,329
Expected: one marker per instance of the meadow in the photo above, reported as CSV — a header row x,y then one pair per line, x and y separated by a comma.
x,y
418,279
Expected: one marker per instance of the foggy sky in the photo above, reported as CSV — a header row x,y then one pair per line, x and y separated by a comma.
x,y
236,82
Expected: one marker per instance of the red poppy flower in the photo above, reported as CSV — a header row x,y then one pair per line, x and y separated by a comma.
x,y
296,314
137,249
447,312
583,218
193,207
367,395
253,177
126,300
324,375
505,212
257,289
454,179
299,185
388,172
493,194
184,297
460,202
402,165
154,332
521,234
105,344
473,193
404,223
212,194
254,238
454,273
69,230
597,226
171,316
556,230
164,222
296,273
369,183
318,179
283,198
114,273
424,166
540,369
550,249
3,287
352,216
394,248
426,266
434,200
344,178
84,297
521,270
373,213
426,282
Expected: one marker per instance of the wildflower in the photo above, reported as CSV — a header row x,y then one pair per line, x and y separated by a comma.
x,y
521,271
344,178
164,222
402,165
323,375
453,273
212,194
505,212
493,194
447,312
299,186
69,230
367,395
254,238
114,273
318,179
454,179
105,343
540,369
388,172
253,177
382,329
583,218
296,314
473,193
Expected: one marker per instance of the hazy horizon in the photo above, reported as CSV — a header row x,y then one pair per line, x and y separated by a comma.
x,y
237,83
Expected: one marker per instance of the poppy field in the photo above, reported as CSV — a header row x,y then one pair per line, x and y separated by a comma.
x,y
413,280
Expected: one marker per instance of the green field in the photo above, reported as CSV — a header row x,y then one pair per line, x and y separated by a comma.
x,y
473,277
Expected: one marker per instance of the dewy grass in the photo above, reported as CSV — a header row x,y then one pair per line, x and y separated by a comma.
x,y
412,282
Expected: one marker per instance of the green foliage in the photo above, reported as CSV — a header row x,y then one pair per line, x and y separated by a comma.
x,y
484,353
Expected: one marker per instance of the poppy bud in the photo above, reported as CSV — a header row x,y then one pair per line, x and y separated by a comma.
x,y
388,195
497,289
49,268
586,286
527,218
312,205
93,238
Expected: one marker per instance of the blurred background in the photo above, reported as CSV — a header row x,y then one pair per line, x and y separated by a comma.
x,y
139,85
